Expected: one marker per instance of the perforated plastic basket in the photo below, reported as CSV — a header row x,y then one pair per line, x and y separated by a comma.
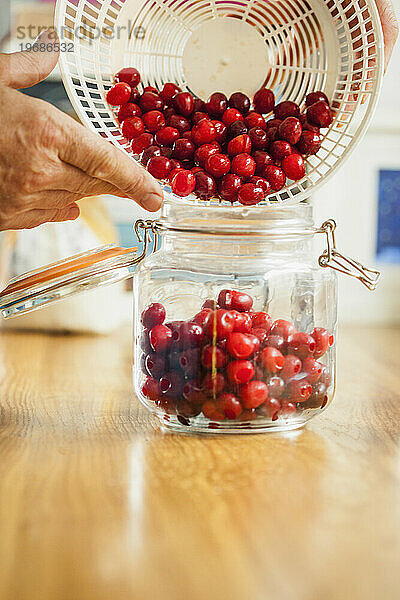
x,y
291,46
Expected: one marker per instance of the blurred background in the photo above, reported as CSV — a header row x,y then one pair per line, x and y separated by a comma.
x,y
363,198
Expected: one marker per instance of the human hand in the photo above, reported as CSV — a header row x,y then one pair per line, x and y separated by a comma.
x,y
48,161
390,26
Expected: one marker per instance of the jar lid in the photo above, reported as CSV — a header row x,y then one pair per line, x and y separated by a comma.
x,y
59,280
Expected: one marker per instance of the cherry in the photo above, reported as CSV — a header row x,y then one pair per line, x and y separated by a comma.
x,y
275,176
201,317
213,383
272,359
179,122
206,187
261,334
290,130
254,119
203,152
167,136
135,95
254,393
155,364
280,149
217,104
250,194
258,138
262,183
150,101
309,143
199,116
231,115
132,127
129,75
238,300
287,408
213,357
204,132
291,367
218,164
314,97
285,109
320,114
129,110
183,103
150,88
149,153
243,165
142,142
183,149
310,127
276,341
240,345
236,128
299,390
192,392
151,389
262,160
189,361
293,166
211,304
323,339
284,328
264,101
272,135
312,368
186,410
159,167
240,371
183,182
273,123
160,338
270,408
168,92
325,376
211,412
120,93
261,320
276,386
171,384
153,315
240,101
239,144
220,324
318,398
229,406
220,130
229,187
153,120
243,325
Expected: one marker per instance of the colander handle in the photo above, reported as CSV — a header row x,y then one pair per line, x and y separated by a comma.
x,y
334,259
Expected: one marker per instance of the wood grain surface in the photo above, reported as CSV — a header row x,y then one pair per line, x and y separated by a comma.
x,y
96,503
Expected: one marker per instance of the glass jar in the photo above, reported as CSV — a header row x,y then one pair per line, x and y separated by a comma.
x,y
235,321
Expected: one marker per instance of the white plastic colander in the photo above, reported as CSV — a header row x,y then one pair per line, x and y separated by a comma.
x,y
291,46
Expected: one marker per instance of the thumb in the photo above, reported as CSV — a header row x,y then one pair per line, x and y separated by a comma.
x,y
24,69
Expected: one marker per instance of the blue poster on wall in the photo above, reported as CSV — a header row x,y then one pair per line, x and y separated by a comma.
x,y
388,238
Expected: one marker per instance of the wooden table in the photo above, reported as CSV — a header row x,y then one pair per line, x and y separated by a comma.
x,y
97,504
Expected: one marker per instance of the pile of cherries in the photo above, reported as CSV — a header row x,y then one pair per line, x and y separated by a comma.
x,y
229,362
222,147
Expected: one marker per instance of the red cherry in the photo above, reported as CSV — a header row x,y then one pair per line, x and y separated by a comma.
x,y
264,101
129,110
239,144
183,103
187,135
276,386
167,136
299,390
201,317
192,392
120,93
199,116
273,123
203,152
250,194
213,357
135,95
218,165
149,153
168,92
151,389
155,364
171,384
285,109
229,187
314,97
270,408
275,176
236,128
129,75
287,408
231,115
290,130
143,141
132,127
310,127
153,120
217,104
312,368
189,361
173,172
183,183
211,412
254,393
261,320
280,149
261,334
211,304
243,165
206,187
240,101
319,114
293,166
291,367
183,149
204,132
180,123
229,406
150,101
240,371
160,338
323,339
220,130
153,315
262,160
309,143
190,334
272,359
254,119
284,328
220,324
213,383
159,167
258,138
276,341
243,324
262,183
240,301
150,88
240,345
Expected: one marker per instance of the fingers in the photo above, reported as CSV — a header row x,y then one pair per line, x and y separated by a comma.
x,y
77,182
36,217
390,26
24,69
102,160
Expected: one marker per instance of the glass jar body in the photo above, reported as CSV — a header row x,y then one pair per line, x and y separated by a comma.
x,y
232,367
